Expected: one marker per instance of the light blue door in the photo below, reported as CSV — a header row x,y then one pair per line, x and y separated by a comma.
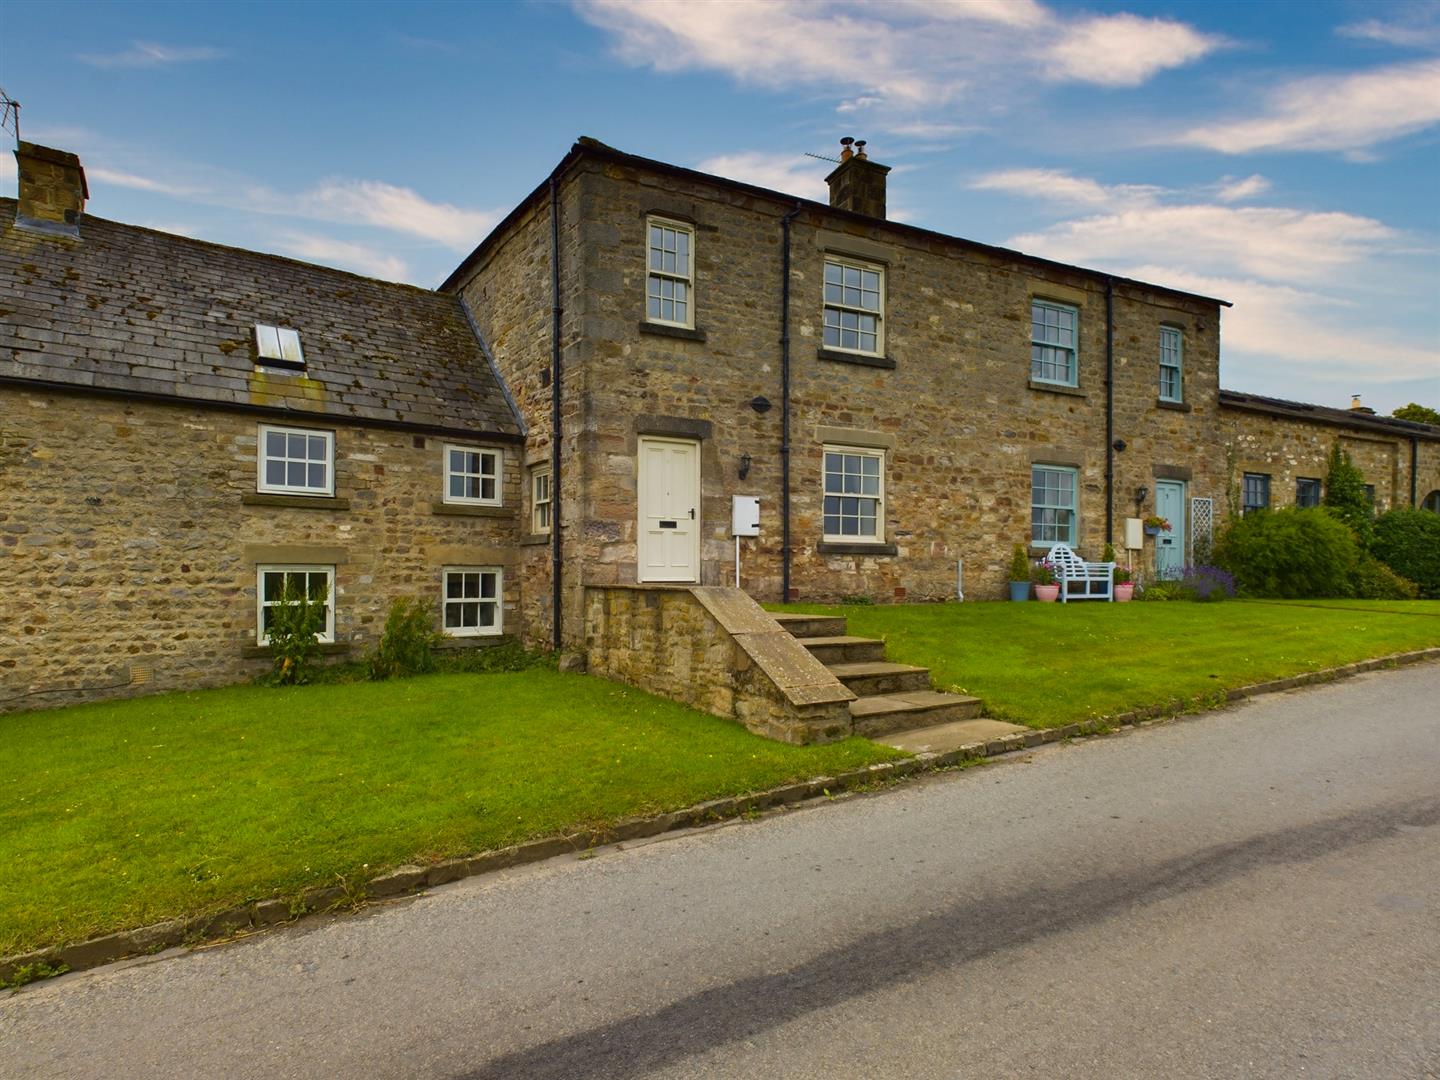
x,y
1170,544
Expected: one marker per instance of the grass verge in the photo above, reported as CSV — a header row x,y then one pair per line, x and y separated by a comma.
x,y
127,813
1047,665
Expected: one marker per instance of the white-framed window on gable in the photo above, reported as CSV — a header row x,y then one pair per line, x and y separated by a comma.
x,y
295,461
540,501
670,273
471,598
472,475
1053,505
854,495
854,313
1054,342
1171,350
276,585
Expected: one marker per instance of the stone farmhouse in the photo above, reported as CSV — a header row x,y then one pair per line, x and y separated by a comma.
x,y
551,444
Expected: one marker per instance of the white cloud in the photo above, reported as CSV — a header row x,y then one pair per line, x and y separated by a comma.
x,y
1231,190
1297,328
1065,187
1126,50
147,54
1344,112
793,174
8,173
130,180
385,206
1419,30
342,253
902,55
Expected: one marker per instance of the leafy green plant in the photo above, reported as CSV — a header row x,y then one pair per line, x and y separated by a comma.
x,y
507,656
857,599
1043,574
1289,554
1373,580
1345,495
1408,541
1108,555
28,973
1421,414
296,621
1123,576
1019,564
1165,589
407,647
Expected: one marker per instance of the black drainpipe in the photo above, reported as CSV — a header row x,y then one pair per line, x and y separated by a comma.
x,y
557,558
1109,410
1414,464
785,402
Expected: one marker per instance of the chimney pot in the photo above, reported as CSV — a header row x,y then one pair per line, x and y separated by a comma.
x,y
52,190
857,183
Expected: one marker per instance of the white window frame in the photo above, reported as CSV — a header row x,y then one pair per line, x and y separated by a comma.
x,y
327,634
827,305
1073,350
446,600
655,274
494,453
878,497
1074,508
262,458
1178,365
541,472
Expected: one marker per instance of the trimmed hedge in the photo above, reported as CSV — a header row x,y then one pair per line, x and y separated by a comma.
x,y
1290,554
1408,541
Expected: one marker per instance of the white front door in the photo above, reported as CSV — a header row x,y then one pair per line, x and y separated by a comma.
x,y
669,497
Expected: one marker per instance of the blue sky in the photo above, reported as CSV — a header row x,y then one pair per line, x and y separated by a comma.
x,y
1285,156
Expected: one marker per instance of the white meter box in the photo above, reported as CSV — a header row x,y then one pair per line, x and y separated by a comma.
x,y
745,515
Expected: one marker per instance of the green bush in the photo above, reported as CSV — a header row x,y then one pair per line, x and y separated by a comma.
x,y
295,625
1373,580
507,656
407,646
1165,589
1290,554
1019,564
1345,496
1408,541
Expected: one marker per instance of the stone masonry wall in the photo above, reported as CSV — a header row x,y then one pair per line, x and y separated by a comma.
x,y
124,541
1287,449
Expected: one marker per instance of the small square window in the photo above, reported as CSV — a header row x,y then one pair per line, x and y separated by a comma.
x,y
1307,492
540,503
472,475
278,344
277,585
295,461
472,601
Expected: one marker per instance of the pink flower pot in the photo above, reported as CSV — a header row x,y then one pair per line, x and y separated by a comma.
x,y
1125,593
1049,593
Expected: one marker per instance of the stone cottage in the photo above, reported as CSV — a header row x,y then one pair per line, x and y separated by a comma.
x,y
187,428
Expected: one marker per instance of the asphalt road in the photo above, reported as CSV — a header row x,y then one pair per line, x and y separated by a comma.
x,y
1252,893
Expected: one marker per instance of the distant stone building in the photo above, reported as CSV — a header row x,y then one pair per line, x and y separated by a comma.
x,y
185,427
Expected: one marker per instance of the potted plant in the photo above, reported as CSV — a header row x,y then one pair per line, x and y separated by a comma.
x,y
1046,587
1124,585
1019,575
1155,525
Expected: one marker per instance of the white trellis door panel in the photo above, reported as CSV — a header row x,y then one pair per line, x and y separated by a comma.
x,y
669,511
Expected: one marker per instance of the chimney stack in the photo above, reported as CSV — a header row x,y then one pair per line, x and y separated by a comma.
x,y
1355,405
857,183
52,190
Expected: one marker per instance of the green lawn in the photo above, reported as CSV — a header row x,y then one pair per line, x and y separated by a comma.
x,y
118,815
1046,665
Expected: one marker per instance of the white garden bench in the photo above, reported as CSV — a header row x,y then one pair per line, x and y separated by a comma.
x,y
1096,579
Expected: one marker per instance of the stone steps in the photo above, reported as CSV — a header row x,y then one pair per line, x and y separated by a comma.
x,y
881,677
890,697
881,714
844,649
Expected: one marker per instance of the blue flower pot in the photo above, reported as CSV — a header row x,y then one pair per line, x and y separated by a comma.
x,y
1019,590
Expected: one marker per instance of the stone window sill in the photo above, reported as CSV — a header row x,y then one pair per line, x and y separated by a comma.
x,y
299,502
831,547
535,539
1057,388
1178,406
839,357
326,648
684,333
466,510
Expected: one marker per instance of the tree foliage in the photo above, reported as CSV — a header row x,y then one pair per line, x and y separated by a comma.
x,y
1345,495
1420,414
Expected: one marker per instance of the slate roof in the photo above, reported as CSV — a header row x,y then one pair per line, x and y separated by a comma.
x,y
132,310
1326,414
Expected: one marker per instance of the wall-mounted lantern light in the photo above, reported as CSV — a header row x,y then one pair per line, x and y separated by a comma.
x,y
744,466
